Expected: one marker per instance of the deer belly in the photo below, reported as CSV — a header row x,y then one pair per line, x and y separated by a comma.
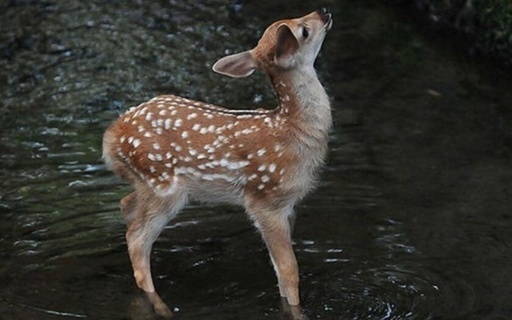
x,y
215,187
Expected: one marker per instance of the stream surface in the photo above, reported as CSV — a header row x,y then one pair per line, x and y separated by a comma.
x,y
412,219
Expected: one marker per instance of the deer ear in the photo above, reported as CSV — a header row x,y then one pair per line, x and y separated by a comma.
x,y
238,65
287,45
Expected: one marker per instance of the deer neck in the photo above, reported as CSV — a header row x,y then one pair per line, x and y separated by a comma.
x,y
305,104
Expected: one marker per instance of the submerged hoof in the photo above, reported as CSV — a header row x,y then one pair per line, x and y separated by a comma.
x,y
159,306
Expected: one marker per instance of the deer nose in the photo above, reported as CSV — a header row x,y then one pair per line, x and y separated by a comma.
x,y
322,11
326,17
324,14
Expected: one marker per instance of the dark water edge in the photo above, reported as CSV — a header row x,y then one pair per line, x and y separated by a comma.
x,y
482,28
411,221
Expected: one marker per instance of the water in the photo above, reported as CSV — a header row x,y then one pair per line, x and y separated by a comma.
x,y
411,221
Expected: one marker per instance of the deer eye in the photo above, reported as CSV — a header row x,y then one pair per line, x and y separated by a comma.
x,y
305,32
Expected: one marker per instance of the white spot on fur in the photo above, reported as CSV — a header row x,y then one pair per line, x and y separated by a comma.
x,y
233,165
167,124
261,152
217,176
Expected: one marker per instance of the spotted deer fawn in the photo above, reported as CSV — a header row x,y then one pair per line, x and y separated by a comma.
x,y
172,149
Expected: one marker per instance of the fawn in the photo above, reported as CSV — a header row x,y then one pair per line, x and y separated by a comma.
x,y
172,149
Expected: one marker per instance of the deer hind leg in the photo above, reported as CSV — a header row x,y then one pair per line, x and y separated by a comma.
x,y
128,207
276,232
151,216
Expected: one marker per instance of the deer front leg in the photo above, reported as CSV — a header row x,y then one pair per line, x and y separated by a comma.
x,y
275,229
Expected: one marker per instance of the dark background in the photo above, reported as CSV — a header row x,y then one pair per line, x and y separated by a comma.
x,y
412,218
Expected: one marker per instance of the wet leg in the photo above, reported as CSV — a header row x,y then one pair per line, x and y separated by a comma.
x,y
275,229
289,312
152,216
128,205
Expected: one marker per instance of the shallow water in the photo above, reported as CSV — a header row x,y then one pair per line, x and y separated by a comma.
x,y
411,221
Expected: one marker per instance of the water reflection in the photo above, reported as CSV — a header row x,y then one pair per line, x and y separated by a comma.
x,y
411,220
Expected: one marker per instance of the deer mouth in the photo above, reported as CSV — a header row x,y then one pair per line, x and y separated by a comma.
x,y
328,25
